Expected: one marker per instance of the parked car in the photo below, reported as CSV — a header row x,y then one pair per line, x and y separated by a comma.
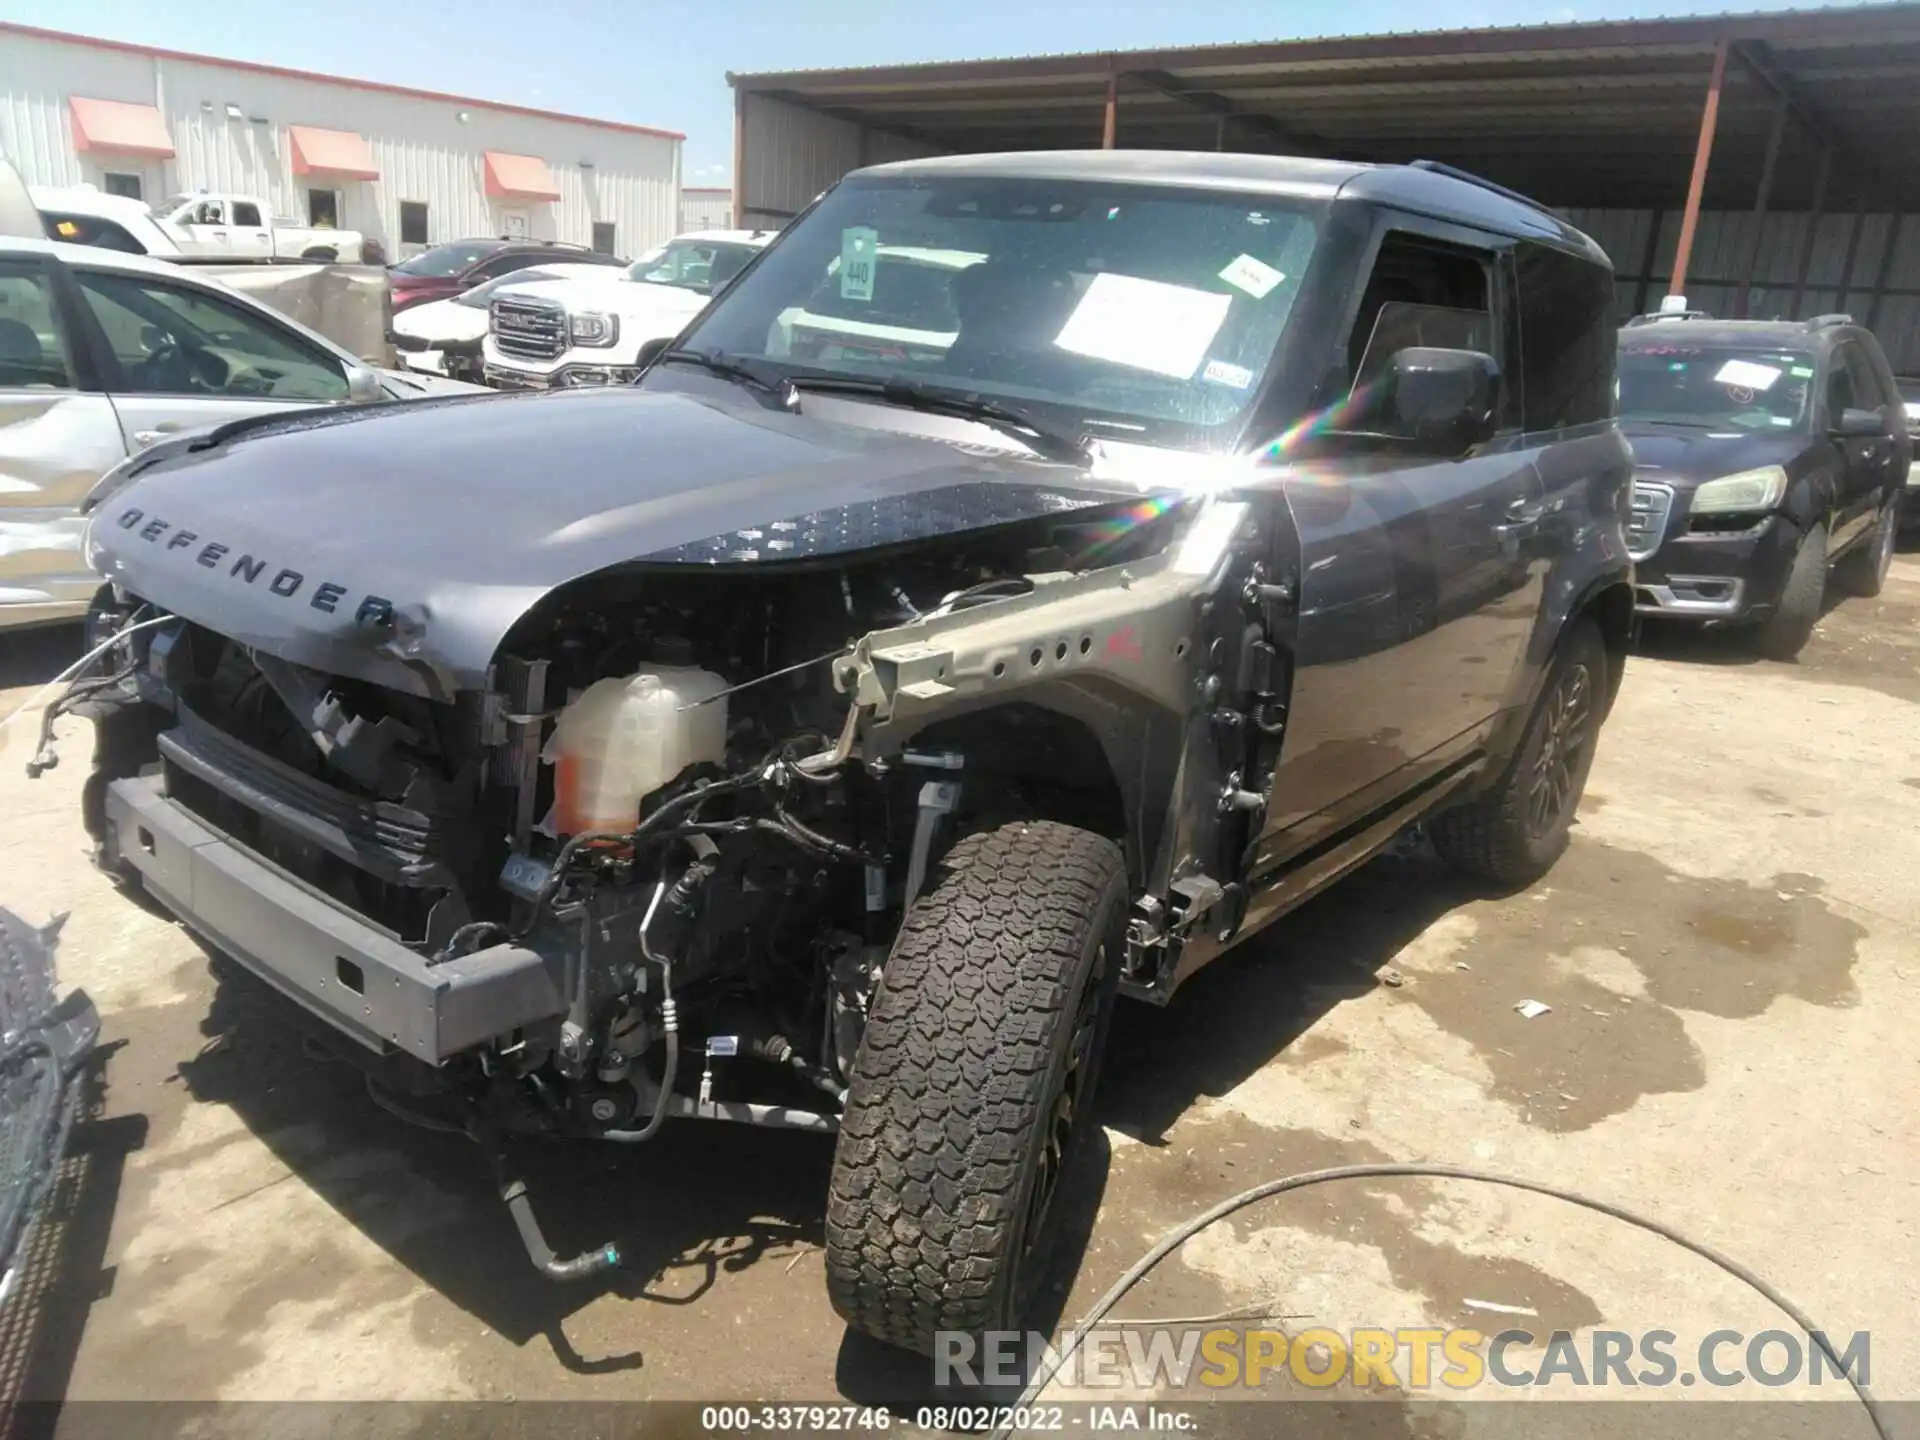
x,y
244,227
102,355
1909,388
591,331
86,216
1766,452
445,270
825,742
442,337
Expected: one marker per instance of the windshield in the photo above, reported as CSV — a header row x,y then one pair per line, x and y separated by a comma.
x,y
702,265
444,260
1729,387
1130,310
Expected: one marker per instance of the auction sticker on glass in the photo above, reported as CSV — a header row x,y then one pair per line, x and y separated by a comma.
x,y
858,244
1144,324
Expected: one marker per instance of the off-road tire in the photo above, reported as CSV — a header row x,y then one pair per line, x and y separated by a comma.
x,y
1784,633
952,1097
1863,570
1497,835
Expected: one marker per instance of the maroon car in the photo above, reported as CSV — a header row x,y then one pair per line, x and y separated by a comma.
x,y
446,270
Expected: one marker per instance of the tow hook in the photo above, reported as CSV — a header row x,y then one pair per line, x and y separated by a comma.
x,y
513,1190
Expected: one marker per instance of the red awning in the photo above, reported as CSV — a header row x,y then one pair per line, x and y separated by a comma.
x,y
519,177
336,152
116,125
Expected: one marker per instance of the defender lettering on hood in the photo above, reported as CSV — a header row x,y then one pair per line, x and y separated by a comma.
x,y
246,569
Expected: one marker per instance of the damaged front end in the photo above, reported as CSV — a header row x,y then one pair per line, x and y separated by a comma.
x,y
534,908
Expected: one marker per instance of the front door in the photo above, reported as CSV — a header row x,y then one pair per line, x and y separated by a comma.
x,y
187,358
1871,461
1418,581
57,436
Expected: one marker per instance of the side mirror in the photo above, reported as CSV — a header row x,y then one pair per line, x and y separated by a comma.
x,y
364,386
1859,423
1446,398
652,350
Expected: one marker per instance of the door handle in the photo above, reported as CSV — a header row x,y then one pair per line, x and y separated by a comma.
x,y
1521,519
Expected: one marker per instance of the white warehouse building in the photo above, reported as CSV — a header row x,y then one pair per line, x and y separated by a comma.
x,y
406,167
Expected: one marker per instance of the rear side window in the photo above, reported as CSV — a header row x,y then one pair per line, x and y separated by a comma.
x,y
1567,338
245,212
90,230
32,355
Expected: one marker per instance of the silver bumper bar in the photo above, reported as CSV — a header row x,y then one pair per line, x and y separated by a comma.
x,y
1703,597
350,974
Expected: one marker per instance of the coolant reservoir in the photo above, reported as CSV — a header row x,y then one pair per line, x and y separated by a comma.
x,y
626,736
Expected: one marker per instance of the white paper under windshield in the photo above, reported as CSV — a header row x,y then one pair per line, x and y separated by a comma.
x,y
1144,324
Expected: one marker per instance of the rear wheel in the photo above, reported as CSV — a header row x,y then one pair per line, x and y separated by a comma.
x,y
1784,633
1514,832
1863,570
972,1090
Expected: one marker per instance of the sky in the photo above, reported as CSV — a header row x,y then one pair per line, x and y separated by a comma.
x,y
665,64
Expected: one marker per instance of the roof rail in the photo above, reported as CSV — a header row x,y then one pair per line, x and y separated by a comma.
x,y
1660,315
1822,322
1454,172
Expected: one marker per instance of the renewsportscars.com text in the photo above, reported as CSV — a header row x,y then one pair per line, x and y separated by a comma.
x,y
1403,1359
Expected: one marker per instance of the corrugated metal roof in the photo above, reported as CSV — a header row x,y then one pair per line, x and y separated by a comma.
x,y
1598,113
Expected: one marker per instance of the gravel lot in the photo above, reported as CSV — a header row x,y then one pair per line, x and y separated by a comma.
x,y
1729,951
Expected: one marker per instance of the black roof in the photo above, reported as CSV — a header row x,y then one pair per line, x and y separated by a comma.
x,y
1814,334
1429,190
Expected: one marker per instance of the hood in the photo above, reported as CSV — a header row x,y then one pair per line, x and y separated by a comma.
x,y
629,299
1686,456
400,543
442,322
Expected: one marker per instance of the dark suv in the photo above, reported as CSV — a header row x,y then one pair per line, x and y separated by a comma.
x,y
1765,452
822,736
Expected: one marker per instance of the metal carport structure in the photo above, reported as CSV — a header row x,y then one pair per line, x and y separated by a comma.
x,y
1761,162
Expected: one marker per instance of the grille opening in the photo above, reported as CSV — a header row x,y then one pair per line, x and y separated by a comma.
x,y
529,330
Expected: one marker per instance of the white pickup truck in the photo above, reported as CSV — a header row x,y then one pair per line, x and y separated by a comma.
x,y
244,227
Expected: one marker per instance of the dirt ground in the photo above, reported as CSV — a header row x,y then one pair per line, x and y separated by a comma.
x,y
1729,952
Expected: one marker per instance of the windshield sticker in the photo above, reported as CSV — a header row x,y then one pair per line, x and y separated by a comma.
x,y
858,243
1251,275
1745,375
1219,372
1144,324
1801,372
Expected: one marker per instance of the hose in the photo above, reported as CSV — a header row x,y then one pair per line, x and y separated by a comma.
x,y
79,665
669,1023
1186,1231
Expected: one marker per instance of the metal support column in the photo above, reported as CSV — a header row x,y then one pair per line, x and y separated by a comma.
x,y
1697,185
1820,179
1853,252
1649,257
1886,269
1762,197
1113,112
739,157
1220,133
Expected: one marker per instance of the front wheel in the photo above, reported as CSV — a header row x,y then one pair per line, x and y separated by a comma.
x,y
1514,832
1863,570
973,1087
1784,633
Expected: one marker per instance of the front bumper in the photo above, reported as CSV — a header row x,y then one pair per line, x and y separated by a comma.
x,y
1716,575
353,975
503,377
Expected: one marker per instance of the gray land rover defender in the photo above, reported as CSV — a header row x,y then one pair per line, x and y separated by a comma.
x,y
822,731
